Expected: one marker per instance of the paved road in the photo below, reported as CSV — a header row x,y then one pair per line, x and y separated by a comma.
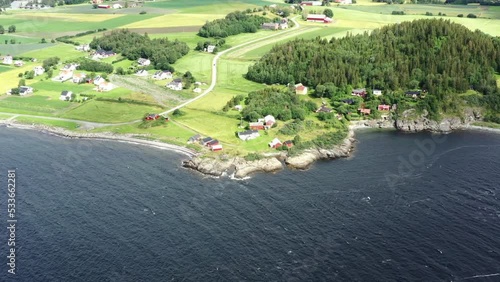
x,y
91,125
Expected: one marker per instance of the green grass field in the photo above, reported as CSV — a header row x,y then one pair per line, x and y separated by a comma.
x,y
56,123
109,112
37,105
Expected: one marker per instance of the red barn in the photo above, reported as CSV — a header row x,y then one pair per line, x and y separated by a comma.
x,y
318,18
103,6
257,126
216,148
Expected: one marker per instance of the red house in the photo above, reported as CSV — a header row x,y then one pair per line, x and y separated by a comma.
x,y
103,6
359,92
364,111
276,143
212,143
384,107
257,126
216,148
152,117
288,143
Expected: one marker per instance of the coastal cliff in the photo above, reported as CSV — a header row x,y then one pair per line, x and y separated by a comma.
x,y
305,159
411,121
238,165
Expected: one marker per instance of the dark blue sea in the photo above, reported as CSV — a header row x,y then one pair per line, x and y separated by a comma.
x,y
404,207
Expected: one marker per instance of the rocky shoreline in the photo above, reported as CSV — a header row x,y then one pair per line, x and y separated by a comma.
x,y
240,168
409,122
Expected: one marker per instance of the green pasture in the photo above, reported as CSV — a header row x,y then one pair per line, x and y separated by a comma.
x,y
21,49
112,112
49,122
197,6
421,9
39,26
5,68
18,38
35,104
323,32
198,63
171,132
230,76
63,51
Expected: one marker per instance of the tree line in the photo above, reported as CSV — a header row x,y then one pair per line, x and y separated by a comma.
x,y
432,54
234,23
160,51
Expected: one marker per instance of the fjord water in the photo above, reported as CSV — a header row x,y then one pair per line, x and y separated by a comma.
x,y
395,211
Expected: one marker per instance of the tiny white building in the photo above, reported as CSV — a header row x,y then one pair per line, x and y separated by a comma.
x,y
377,92
38,70
65,95
25,90
142,73
7,60
197,90
144,62
175,85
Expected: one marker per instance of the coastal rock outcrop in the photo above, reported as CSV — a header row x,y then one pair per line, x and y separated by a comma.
x,y
240,166
411,121
305,159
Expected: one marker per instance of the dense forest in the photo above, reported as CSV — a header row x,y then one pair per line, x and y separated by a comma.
x,y
435,55
234,23
160,51
280,103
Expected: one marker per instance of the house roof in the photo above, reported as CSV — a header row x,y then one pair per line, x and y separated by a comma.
x,y
65,92
195,137
248,132
288,142
206,139
256,124
413,92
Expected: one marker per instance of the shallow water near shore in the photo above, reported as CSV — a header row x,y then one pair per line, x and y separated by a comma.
x,y
404,207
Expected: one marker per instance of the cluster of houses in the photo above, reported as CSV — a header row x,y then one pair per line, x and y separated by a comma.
x,y
209,142
263,123
319,3
9,60
283,24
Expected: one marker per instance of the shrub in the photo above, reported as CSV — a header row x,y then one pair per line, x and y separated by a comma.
x,y
142,13
472,16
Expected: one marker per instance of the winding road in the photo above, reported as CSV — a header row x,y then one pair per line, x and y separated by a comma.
x,y
91,125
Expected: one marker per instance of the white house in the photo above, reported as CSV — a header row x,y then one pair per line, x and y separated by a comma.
x,y
105,86
248,135
160,75
65,95
377,92
70,67
64,75
343,2
197,90
7,60
176,84
144,62
275,143
83,47
24,90
210,48
98,80
39,70
300,89
18,63
269,120
79,77
117,6
238,108
142,73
